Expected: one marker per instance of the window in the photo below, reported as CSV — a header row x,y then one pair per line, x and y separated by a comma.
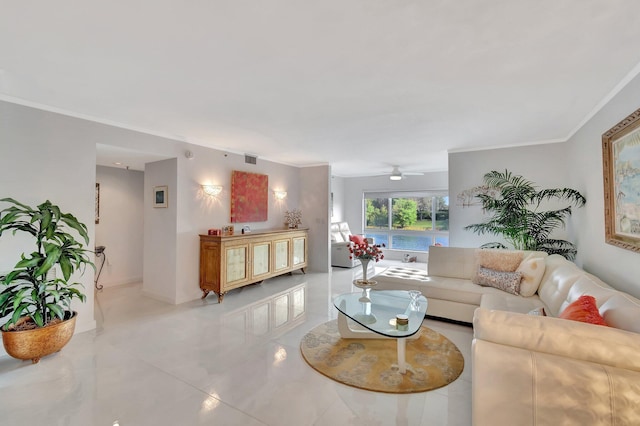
x,y
407,221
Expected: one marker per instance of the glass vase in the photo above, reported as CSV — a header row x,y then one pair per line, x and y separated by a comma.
x,y
365,267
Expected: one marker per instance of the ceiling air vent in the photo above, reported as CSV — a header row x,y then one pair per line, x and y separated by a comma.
x,y
250,159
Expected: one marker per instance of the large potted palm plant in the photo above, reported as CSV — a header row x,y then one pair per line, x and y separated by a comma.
x,y
34,295
517,217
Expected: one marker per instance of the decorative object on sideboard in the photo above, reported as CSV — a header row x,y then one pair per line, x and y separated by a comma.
x,y
36,300
621,163
161,196
249,197
227,230
212,190
293,218
515,215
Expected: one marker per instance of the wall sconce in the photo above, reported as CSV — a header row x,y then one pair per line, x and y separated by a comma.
x,y
212,190
280,195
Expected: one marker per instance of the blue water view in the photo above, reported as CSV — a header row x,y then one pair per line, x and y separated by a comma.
x,y
409,242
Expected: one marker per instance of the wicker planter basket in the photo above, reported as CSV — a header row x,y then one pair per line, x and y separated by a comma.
x,y
39,342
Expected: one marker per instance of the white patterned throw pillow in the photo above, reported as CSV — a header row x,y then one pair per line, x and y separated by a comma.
x,y
505,281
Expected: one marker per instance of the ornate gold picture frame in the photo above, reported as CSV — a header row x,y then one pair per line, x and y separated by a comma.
x,y
621,169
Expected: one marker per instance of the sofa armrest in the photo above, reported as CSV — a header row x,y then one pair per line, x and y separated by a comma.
x,y
341,256
341,244
571,339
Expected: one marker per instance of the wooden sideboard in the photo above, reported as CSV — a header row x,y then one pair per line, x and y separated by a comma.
x,y
232,261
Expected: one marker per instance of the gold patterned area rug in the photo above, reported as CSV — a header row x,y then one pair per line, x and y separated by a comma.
x,y
371,363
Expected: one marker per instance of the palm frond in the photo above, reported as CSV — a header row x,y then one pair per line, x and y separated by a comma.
x,y
516,217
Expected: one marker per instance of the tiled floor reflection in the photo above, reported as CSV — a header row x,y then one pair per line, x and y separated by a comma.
x,y
235,363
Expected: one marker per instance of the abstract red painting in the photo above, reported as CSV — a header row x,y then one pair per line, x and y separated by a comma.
x,y
249,197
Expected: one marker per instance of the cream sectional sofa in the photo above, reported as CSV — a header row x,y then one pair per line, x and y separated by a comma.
x,y
537,370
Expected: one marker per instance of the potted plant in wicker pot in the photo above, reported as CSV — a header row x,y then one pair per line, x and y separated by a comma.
x,y
36,300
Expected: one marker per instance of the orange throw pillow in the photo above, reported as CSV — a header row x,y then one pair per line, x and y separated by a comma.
x,y
585,310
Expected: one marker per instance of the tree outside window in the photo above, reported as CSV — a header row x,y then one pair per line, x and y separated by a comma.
x,y
409,223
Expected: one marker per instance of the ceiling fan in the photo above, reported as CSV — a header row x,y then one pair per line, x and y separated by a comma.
x,y
396,174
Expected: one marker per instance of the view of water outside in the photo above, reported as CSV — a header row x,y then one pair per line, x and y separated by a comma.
x,y
408,223
409,242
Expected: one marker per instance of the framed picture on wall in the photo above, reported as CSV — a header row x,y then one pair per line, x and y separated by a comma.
x,y
249,197
621,168
160,197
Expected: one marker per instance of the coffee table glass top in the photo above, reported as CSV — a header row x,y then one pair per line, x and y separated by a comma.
x,y
377,310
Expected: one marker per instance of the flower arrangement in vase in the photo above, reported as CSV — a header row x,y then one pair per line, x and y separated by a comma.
x,y
365,253
293,218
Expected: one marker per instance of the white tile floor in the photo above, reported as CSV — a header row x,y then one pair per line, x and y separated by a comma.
x,y
237,363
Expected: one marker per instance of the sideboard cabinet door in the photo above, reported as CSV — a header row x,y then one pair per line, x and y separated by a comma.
x,y
281,255
236,266
261,259
299,251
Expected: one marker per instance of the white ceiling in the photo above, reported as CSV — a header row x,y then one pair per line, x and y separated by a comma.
x,y
359,84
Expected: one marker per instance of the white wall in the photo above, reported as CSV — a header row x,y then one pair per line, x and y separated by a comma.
x,y
544,165
48,156
337,189
314,204
121,225
159,276
197,212
618,267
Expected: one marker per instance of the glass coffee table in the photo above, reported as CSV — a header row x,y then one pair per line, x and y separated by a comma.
x,y
376,312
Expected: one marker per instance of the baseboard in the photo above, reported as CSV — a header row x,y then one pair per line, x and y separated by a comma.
x,y
158,297
127,281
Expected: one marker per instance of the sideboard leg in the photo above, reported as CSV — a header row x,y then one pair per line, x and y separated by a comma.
x,y
220,297
205,293
302,269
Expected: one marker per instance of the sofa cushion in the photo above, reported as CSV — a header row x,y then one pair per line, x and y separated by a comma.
x,y
453,262
532,269
622,311
509,302
516,386
443,288
571,339
559,275
591,285
499,260
357,239
584,310
505,281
